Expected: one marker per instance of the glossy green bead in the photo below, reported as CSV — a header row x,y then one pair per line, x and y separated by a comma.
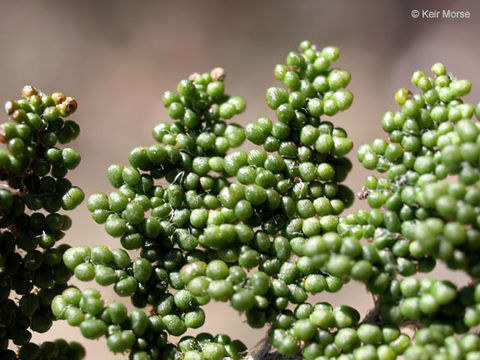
x,y
174,325
194,319
369,333
255,133
346,339
338,79
93,328
460,87
444,292
345,316
243,300
276,96
74,316
115,226
138,321
126,286
410,308
315,107
198,217
304,329
322,317
311,226
84,272
220,290
121,341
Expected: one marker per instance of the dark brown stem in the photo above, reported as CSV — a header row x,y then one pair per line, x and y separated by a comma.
x,y
265,351
374,315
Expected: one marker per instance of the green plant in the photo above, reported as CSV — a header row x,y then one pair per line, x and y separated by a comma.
x,y
264,228
34,189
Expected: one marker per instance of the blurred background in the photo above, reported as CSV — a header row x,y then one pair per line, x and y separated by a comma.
x,y
117,57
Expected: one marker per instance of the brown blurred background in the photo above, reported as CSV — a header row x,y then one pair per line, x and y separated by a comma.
x,y
118,57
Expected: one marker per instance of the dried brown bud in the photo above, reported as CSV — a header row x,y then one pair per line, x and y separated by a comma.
x,y
29,90
362,195
19,116
194,76
70,105
217,74
10,107
58,97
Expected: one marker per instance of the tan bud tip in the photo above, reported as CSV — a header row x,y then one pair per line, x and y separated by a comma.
x,y
194,76
29,90
10,107
217,74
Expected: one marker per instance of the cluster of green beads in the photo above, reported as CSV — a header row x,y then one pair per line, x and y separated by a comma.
x,y
423,210
367,340
262,229
255,228
167,223
53,350
428,300
33,191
